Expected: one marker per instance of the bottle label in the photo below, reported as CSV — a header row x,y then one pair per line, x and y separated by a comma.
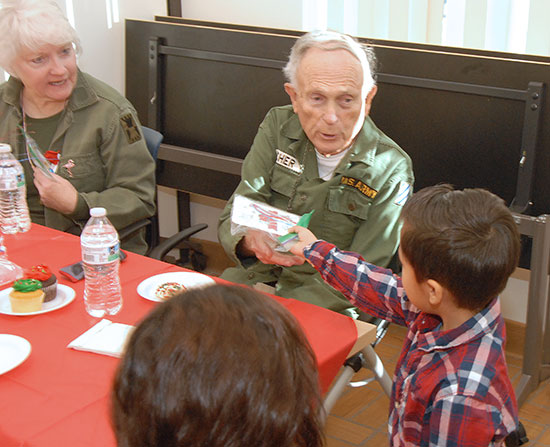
x,y
20,180
100,255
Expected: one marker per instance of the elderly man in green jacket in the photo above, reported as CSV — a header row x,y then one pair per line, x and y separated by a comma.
x,y
321,153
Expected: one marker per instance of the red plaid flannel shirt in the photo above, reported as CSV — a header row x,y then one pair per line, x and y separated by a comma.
x,y
450,388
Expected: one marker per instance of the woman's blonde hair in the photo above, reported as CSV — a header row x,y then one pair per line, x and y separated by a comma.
x,y
32,24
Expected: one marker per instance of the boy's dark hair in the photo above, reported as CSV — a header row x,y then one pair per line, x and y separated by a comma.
x,y
221,366
465,240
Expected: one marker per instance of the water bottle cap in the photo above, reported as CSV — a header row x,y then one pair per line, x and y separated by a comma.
x,y
4,148
98,212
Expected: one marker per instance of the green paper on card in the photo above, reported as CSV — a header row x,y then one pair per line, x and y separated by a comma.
x,y
302,222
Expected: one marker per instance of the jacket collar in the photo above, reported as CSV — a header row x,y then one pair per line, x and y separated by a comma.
x,y
483,322
12,92
363,149
82,95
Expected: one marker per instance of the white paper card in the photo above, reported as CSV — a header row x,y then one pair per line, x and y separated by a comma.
x,y
251,214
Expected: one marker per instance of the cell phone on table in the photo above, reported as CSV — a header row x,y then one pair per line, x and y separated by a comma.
x,y
75,272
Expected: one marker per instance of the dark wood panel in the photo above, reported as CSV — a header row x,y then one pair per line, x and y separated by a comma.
x,y
207,182
174,7
466,139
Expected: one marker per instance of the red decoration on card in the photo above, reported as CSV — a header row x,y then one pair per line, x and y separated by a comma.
x,y
52,156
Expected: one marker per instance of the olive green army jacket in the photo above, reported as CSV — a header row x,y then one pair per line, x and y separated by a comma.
x,y
102,153
358,209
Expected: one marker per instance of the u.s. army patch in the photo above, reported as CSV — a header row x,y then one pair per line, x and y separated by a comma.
x,y
403,193
130,128
359,186
288,161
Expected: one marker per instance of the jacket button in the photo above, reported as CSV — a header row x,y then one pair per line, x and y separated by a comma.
x,y
351,206
251,275
303,197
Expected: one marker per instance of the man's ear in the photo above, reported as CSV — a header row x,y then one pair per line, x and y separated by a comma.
x,y
369,98
435,292
291,91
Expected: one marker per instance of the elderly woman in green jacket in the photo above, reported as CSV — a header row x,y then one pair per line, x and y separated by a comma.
x,y
88,132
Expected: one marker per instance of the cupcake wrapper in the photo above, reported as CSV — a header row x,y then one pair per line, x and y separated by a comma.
x,y
50,292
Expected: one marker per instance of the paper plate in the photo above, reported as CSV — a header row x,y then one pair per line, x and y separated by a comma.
x,y
14,350
148,287
65,295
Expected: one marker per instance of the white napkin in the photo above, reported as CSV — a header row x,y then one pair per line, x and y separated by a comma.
x,y
105,337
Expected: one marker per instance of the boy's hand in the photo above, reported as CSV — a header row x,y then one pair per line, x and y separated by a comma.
x,y
306,237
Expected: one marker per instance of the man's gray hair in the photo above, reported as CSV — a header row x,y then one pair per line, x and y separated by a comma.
x,y
32,24
331,40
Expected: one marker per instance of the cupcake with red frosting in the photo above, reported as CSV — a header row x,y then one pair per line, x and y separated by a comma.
x,y
49,281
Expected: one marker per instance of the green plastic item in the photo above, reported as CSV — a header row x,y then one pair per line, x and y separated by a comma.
x,y
302,222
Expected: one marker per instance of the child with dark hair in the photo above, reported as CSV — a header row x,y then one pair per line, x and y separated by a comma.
x,y
220,366
458,248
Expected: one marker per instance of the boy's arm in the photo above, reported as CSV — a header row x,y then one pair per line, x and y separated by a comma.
x,y
371,288
464,420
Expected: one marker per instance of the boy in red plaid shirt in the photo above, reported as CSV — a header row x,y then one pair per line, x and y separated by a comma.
x,y
458,248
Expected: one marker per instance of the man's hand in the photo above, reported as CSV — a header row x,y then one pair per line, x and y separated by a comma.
x,y
56,192
305,236
259,244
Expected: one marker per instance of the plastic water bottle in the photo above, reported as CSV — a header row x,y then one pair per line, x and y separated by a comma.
x,y
14,213
100,260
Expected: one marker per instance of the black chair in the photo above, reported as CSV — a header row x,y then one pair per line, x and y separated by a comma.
x,y
157,249
153,139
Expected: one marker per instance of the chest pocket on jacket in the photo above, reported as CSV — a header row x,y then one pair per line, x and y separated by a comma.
x,y
84,171
347,211
348,201
283,180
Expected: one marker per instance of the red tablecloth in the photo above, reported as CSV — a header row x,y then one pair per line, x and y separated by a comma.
x,y
60,396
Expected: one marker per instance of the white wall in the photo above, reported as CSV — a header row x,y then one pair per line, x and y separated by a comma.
x,y
272,14
514,298
103,47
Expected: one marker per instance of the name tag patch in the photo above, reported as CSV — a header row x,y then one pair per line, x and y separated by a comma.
x,y
359,186
288,161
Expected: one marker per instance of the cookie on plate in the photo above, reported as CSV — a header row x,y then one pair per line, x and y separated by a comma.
x,y
168,290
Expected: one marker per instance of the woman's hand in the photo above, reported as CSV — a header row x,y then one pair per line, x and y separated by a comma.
x,y
56,192
306,237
